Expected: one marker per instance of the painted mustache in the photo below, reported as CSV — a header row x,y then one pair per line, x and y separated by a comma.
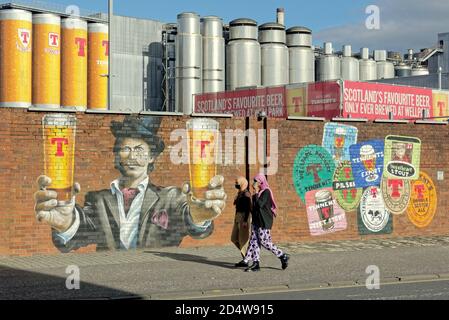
x,y
131,164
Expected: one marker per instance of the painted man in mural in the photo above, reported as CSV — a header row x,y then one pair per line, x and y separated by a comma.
x,y
132,212
401,153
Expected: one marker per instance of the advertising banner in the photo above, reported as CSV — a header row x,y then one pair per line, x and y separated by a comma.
x,y
441,105
323,100
244,103
375,101
297,100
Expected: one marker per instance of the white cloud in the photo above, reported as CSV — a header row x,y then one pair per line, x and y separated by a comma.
x,y
403,24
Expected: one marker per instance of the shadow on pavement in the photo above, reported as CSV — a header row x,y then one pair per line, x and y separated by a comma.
x,y
200,259
26,285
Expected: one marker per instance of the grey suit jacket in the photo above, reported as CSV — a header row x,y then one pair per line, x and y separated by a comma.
x,y
100,221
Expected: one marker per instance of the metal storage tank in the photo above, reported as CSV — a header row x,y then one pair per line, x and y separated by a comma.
x,y
189,59
301,55
243,57
420,71
170,56
15,58
385,69
403,70
349,65
98,59
274,55
213,54
328,65
367,66
46,60
74,63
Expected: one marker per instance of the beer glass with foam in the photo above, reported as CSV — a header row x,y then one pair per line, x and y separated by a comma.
x,y
59,131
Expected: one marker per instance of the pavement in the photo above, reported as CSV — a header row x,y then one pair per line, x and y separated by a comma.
x,y
181,273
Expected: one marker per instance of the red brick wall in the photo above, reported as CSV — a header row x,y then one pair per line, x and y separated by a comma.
x,y
21,162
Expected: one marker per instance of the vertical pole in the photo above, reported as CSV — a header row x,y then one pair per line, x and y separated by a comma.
x,y
440,79
265,141
247,169
110,15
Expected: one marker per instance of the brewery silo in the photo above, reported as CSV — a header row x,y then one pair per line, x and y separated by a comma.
x,y
301,55
385,69
189,60
420,71
15,58
274,55
349,65
74,63
367,66
213,54
328,65
46,60
243,57
403,70
98,59
170,57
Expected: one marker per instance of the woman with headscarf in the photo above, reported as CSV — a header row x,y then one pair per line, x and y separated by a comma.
x,y
263,214
241,231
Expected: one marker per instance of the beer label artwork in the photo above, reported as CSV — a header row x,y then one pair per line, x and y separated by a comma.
x,y
423,202
313,170
396,194
347,195
367,160
402,157
323,213
373,216
337,139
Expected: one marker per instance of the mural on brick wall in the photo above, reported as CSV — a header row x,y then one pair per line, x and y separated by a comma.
x,y
131,212
373,180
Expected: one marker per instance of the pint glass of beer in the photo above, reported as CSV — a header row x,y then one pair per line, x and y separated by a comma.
x,y
59,154
339,142
368,158
203,145
325,207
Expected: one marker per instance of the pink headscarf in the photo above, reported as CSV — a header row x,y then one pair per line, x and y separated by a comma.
x,y
264,186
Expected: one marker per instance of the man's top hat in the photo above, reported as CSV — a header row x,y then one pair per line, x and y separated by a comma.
x,y
145,128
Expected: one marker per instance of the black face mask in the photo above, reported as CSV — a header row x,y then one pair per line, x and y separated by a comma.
x,y
237,186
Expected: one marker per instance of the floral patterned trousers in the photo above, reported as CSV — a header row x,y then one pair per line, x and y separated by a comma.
x,y
261,237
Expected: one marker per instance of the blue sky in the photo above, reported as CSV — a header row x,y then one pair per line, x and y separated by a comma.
x,y
404,23
314,14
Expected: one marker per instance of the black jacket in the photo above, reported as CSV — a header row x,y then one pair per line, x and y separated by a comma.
x,y
243,204
100,221
262,213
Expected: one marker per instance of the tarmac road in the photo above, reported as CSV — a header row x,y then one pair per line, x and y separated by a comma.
x,y
177,273
416,290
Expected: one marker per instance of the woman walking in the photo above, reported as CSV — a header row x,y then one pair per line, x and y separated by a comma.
x,y
263,214
241,231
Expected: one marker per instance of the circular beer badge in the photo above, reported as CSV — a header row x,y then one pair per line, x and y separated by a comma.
x,y
396,194
373,213
313,170
423,202
347,195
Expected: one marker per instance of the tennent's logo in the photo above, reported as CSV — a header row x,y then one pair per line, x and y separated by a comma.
x,y
81,43
105,44
24,37
53,39
59,142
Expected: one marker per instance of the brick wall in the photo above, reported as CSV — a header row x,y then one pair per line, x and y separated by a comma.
x,y
22,161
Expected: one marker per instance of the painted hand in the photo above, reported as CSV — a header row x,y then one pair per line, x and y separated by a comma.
x,y
211,206
60,218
